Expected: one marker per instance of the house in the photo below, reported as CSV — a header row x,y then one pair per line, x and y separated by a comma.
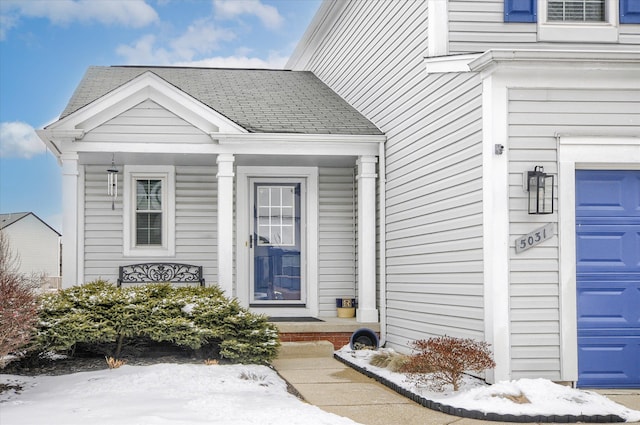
x,y
35,245
472,97
264,178
397,162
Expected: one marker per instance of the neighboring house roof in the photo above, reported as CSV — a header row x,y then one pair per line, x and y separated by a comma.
x,y
7,220
261,101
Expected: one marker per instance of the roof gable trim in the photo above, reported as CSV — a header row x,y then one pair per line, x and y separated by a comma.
x,y
147,86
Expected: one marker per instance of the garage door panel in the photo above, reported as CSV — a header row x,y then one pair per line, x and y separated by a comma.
x,y
608,278
605,193
606,304
609,359
608,248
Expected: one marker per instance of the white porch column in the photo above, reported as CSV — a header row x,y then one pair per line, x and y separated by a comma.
x,y
367,311
69,219
225,222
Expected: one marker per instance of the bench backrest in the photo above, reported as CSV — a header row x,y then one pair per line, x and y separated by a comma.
x,y
160,272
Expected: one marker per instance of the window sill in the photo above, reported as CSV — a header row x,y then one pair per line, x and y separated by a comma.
x,y
149,252
578,33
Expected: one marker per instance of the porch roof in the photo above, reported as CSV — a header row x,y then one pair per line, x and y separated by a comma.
x,y
261,101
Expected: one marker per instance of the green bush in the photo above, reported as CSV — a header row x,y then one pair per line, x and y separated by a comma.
x,y
102,318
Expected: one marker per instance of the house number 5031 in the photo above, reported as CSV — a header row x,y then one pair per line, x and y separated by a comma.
x,y
534,238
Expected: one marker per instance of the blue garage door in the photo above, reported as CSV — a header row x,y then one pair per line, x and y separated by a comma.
x,y
608,278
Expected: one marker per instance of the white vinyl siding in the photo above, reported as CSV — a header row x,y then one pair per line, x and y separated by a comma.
x,y
477,26
434,215
535,117
195,229
336,228
434,202
148,122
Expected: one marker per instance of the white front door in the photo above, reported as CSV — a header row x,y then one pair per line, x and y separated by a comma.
x,y
277,255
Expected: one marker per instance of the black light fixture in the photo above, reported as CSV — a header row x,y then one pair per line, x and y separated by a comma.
x,y
112,183
540,188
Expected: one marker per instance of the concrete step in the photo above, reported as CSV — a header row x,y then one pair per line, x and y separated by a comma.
x,y
292,350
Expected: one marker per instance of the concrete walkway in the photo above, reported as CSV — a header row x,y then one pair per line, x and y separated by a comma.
x,y
334,387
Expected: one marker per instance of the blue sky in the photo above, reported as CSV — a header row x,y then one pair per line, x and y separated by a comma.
x,y
46,46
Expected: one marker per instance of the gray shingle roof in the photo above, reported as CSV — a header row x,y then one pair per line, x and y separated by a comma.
x,y
261,101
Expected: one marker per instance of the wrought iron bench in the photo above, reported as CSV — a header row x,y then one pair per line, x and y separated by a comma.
x,y
160,272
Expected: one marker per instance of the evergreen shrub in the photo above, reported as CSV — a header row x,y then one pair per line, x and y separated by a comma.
x,y
103,318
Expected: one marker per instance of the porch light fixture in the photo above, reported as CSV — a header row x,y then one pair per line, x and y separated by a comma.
x,y
112,183
540,188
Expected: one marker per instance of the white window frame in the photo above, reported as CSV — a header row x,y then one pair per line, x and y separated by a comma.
x,y
577,32
166,174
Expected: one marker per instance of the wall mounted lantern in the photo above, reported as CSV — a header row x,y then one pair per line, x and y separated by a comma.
x,y
540,188
112,183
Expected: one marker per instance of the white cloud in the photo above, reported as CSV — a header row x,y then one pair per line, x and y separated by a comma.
x,y
269,15
6,23
19,140
274,61
144,51
201,38
129,13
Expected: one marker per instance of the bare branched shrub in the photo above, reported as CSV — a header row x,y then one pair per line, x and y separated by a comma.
x,y
443,360
9,260
18,310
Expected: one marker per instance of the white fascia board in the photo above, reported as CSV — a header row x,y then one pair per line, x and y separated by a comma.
x,y
147,86
594,59
251,143
55,139
308,144
316,32
453,63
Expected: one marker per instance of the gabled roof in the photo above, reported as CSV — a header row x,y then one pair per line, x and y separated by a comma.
x,y
7,220
261,101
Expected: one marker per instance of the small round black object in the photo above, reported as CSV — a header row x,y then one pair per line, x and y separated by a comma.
x,y
362,338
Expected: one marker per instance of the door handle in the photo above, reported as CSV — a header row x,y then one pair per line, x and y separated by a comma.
x,y
250,241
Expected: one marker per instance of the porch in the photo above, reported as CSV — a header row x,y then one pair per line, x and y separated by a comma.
x,y
336,330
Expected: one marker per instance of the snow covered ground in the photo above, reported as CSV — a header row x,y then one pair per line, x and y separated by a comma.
x,y
190,394
176,394
546,398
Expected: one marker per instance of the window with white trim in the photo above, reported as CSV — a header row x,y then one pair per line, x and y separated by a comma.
x,y
579,21
149,212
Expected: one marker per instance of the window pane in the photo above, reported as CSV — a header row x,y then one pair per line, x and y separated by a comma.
x,y
576,10
594,11
287,235
142,200
155,195
148,195
275,196
148,229
287,196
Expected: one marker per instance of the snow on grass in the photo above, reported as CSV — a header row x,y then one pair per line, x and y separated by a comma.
x,y
176,394
544,397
